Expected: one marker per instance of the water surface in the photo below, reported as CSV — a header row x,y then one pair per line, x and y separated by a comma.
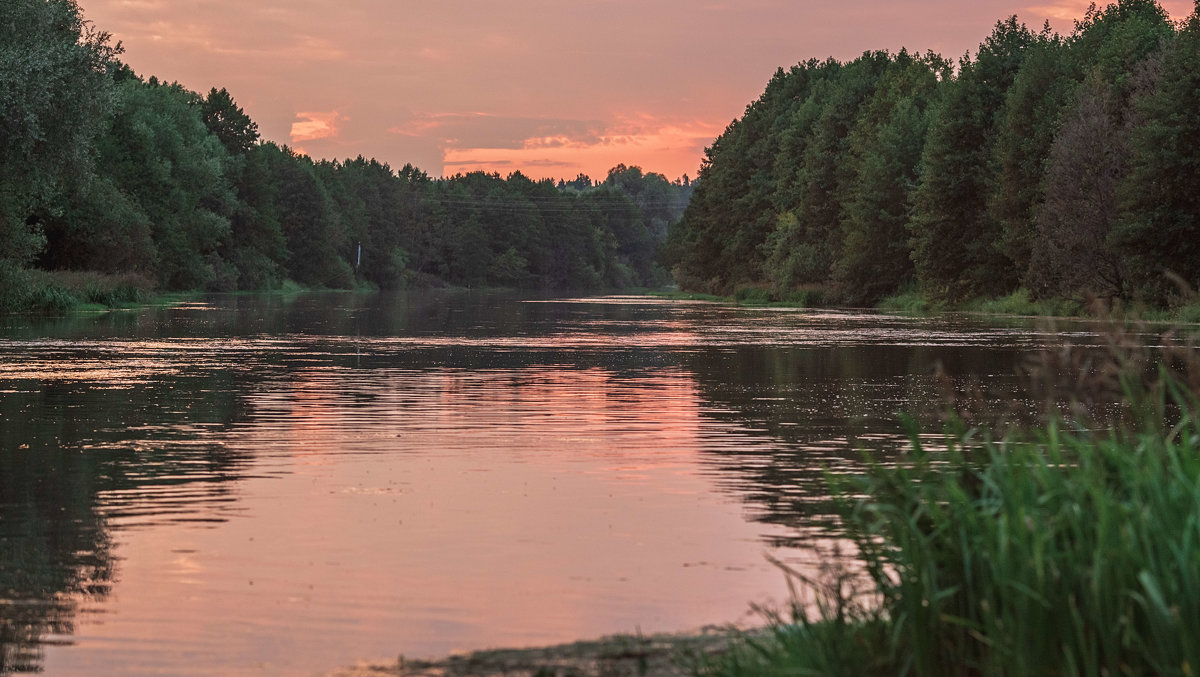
x,y
277,485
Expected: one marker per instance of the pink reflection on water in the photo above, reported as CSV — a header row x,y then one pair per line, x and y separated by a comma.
x,y
421,512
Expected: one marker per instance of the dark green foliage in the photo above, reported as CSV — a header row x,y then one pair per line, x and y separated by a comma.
x,y
256,247
720,242
884,153
309,220
796,250
228,122
160,154
1064,165
825,177
1112,41
1118,50
103,171
955,239
1161,199
519,232
53,94
1030,120
1071,257
1007,176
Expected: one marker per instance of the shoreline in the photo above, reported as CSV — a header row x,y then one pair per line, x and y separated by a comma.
x,y
655,655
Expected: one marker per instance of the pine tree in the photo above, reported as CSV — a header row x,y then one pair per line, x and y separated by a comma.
x,y
955,239
1160,229
884,151
1032,112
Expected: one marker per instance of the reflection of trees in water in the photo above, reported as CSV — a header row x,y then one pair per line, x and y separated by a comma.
x,y
56,556
74,458
77,461
807,412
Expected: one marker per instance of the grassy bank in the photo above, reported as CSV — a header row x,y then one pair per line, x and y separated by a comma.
x,y
1068,549
913,302
29,290
752,296
39,291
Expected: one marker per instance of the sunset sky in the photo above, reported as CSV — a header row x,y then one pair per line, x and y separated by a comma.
x,y
548,88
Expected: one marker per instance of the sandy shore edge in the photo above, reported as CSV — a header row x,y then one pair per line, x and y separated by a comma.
x,y
661,655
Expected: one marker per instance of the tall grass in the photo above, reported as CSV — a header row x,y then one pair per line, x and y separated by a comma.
x,y
1070,552
909,301
1019,302
25,290
1072,548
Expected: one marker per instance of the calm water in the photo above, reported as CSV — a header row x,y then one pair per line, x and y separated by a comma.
x,y
286,486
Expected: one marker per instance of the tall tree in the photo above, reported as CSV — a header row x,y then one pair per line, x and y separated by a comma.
x,y
54,93
955,239
1112,40
256,247
159,153
803,250
1118,51
1032,111
872,255
719,242
228,122
1160,229
308,218
1071,257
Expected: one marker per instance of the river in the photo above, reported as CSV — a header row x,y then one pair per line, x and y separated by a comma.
x,y
285,485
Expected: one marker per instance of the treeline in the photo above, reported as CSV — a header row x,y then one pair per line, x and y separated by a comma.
x,y
103,170
1065,166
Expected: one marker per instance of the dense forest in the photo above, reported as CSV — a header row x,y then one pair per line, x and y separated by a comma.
x,y
1059,167
105,171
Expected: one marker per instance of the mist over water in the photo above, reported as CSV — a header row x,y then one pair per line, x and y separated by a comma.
x,y
268,485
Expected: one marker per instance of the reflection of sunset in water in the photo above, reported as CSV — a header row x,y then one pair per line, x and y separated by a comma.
x,y
288,485
503,507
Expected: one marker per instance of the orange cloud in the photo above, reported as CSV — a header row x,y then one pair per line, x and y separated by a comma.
x,y
673,148
1061,10
313,126
427,124
1070,10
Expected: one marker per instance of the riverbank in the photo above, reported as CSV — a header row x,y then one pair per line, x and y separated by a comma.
x,y
661,655
913,302
39,291
32,290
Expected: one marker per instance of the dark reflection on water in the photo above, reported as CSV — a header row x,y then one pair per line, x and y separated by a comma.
x,y
280,485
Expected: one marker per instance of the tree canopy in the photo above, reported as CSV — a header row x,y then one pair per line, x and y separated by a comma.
x,y
104,170
1061,164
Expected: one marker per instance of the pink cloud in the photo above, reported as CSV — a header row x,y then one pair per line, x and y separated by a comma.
x,y
541,83
672,147
1071,10
313,126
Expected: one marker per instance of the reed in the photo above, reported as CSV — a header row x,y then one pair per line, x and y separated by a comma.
x,y
1070,548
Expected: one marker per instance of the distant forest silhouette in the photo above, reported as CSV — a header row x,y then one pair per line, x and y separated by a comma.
x,y
1053,166
104,171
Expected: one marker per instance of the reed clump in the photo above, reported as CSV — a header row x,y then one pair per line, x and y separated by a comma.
x,y
1066,548
23,290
